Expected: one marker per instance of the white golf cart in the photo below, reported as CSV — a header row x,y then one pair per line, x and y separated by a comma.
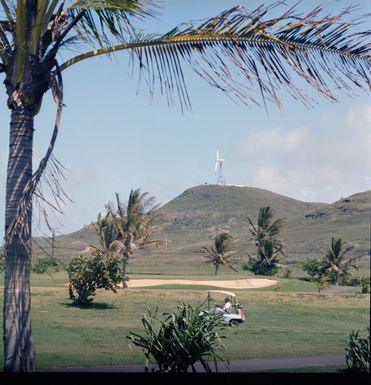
x,y
236,315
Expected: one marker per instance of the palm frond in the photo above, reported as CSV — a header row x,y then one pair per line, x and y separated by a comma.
x,y
244,54
103,20
276,226
9,10
265,216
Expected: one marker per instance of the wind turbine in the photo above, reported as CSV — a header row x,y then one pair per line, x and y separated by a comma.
x,y
219,167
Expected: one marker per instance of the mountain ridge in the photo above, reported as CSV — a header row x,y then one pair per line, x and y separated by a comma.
x,y
194,217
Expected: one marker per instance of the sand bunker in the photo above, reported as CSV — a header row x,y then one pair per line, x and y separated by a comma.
x,y
230,284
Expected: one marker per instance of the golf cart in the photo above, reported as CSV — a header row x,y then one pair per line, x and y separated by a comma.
x,y
236,315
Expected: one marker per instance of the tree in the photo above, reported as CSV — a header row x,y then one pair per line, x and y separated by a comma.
x,y
267,260
128,227
221,252
107,232
269,246
241,53
313,267
89,273
336,261
265,229
185,337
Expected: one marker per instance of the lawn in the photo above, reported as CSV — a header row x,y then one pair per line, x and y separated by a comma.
x,y
292,321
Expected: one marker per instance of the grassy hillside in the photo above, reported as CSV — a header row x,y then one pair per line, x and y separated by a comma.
x,y
192,219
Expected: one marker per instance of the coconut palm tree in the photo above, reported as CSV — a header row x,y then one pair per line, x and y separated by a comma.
x,y
221,252
265,237
133,226
336,261
265,229
267,260
107,232
242,53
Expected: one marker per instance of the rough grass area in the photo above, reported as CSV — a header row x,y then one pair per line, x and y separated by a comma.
x,y
293,321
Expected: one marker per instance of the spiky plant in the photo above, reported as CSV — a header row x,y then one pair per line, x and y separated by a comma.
x,y
180,340
242,53
357,350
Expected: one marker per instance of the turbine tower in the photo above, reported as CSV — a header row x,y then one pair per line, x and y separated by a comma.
x,y
219,168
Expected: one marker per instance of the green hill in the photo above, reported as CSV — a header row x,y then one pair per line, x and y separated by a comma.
x,y
192,219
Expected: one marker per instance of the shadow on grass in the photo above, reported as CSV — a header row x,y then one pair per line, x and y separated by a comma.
x,y
91,306
306,279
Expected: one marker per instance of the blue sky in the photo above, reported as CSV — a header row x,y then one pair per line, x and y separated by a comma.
x,y
113,138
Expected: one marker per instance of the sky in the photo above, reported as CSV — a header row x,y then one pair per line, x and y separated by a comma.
x,y
113,138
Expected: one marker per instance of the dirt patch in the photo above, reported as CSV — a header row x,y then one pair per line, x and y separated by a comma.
x,y
230,284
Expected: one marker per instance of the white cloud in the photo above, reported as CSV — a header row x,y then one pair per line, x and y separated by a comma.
x,y
318,163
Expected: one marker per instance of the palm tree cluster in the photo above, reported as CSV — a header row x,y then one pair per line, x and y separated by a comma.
x,y
269,246
333,265
128,226
265,235
242,53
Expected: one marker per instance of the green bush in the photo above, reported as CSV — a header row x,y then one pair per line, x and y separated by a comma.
x,y
87,274
44,264
358,352
258,268
322,282
313,267
176,343
365,284
287,273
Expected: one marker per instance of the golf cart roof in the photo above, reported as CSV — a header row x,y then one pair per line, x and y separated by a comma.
x,y
223,292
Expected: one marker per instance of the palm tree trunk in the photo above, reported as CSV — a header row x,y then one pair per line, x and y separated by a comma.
x,y
337,274
125,270
19,353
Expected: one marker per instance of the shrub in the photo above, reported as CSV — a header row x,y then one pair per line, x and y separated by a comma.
x,y
322,281
358,352
365,284
277,286
258,268
313,267
176,343
44,264
354,281
87,274
287,273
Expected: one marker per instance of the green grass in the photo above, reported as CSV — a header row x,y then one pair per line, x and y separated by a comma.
x,y
295,321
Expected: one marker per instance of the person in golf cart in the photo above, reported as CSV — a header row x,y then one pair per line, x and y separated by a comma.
x,y
226,307
232,312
